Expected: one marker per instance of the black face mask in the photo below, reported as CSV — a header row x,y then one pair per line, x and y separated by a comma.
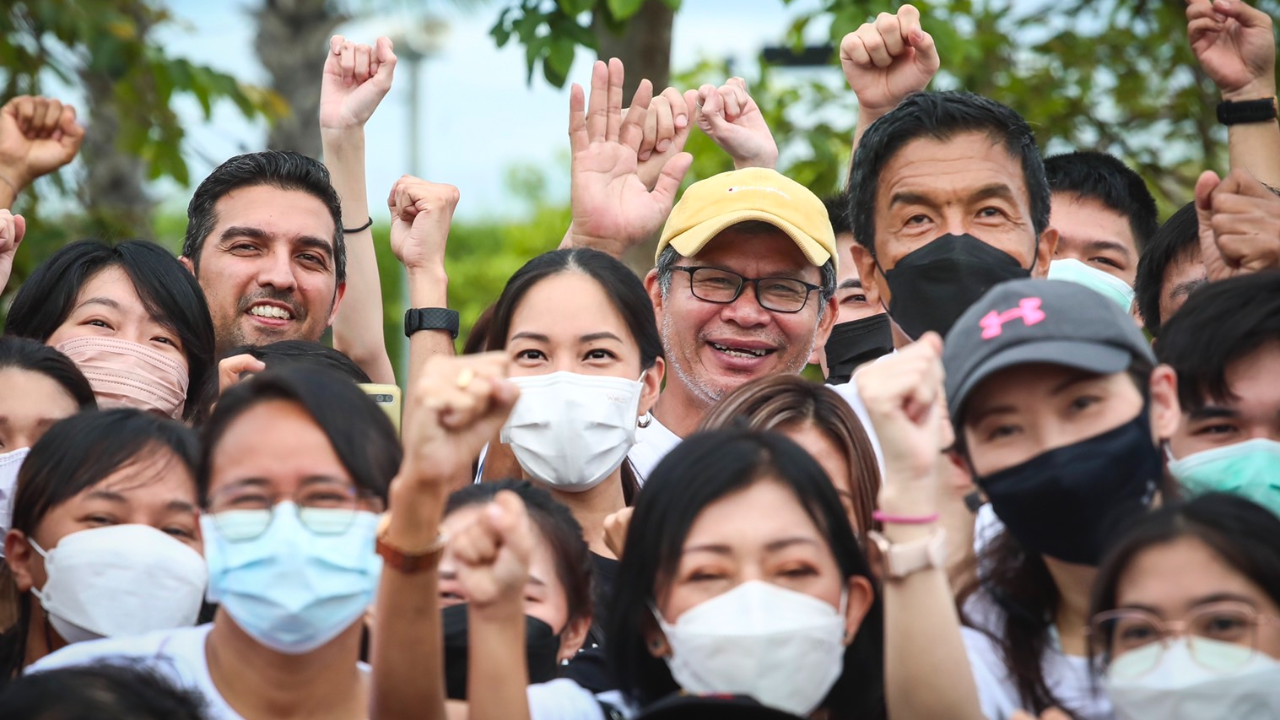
x,y
541,645
934,285
854,343
1066,502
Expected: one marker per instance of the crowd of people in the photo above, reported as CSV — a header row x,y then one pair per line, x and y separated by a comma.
x,y
1040,482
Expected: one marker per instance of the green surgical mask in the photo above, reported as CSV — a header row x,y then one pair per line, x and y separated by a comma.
x,y
1108,285
1250,469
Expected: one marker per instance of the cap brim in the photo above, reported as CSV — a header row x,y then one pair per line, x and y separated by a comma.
x,y
1100,358
691,241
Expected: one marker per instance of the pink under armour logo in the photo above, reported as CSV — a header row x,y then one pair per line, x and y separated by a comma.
x,y
993,322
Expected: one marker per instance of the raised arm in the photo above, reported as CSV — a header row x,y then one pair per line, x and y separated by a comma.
x,y
12,228
613,208
923,645
457,406
730,117
886,60
1236,47
356,78
38,135
1239,221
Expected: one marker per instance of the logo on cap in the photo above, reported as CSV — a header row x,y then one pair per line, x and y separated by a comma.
x,y
1028,309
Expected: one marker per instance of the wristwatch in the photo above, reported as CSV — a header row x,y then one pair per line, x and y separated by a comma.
x,y
902,559
1247,111
416,319
407,561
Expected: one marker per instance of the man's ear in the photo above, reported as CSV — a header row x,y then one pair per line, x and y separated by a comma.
x,y
1045,249
572,638
652,380
186,263
1166,411
873,285
337,300
655,293
830,313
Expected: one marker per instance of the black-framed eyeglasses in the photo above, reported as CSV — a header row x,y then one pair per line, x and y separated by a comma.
x,y
244,511
777,294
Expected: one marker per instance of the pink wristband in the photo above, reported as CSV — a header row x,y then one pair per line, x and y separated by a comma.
x,y
904,519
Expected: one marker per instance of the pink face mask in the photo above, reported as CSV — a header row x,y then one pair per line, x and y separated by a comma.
x,y
127,374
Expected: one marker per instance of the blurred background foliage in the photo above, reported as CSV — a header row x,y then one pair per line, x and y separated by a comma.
x,y
1113,75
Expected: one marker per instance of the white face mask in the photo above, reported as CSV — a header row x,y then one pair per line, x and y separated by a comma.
x,y
1072,270
10,464
120,580
571,430
781,647
1180,687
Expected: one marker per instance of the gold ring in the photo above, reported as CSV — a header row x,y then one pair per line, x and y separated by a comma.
x,y
465,377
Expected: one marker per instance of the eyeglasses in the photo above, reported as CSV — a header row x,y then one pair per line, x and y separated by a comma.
x,y
244,511
1234,623
779,294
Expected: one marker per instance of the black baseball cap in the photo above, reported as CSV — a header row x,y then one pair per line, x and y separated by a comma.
x,y
1038,321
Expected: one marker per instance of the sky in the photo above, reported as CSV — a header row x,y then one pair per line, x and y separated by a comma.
x,y
481,117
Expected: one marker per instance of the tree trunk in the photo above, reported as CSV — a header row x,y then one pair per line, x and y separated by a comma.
x,y
116,201
292,41
645,51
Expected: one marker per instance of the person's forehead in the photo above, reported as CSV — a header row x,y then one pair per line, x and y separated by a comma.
x,y
1083,220
279,210
567,304
1252,381
752,250
961,162
1173,575
275,441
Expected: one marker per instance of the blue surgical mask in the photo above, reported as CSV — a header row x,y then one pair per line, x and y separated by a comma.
x,y
290,588
1249,469
1106,284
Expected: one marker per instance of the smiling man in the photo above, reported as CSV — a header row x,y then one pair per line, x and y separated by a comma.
x,y
264,239
744,288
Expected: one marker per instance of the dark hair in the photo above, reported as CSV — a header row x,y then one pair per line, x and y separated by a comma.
x,y
279,169
625,292
555,524
700,471
25,354
478,338
105,691
1221,324
838,213
168,291
361,434
776,402
1178,238
282,354
1103,177
941,116
1241,533
76,454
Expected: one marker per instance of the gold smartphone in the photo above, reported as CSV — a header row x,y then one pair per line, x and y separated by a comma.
x,y
387,397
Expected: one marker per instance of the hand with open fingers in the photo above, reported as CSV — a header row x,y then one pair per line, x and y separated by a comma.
x,y
12,229
457,405
613,209
904,398
421,213
493,554
38,135
888,59
231,369
666,129
615,530
730,117
1239,225
356,78
1235,45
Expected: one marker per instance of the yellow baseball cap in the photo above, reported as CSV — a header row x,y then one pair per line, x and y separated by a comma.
x,y
712,205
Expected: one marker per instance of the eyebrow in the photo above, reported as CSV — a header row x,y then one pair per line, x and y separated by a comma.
x,y
788,274
1099,245
851,284
1208,412
773,546
589,337
996,190
1202,600
180,506
100,301
107,495
1187,287
536,581
1077,377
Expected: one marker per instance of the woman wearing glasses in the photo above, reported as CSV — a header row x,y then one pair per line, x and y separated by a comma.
x,y
1187,622
297,463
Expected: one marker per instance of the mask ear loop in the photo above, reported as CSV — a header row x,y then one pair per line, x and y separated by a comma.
x,y
46,628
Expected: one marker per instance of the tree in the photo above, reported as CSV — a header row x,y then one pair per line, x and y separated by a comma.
x,y
107,49
292,39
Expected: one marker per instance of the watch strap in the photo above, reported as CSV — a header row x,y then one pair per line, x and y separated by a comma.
x,y
416,319
904,559
1247,111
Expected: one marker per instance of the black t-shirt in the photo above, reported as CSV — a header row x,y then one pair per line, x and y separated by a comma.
x,y
589,668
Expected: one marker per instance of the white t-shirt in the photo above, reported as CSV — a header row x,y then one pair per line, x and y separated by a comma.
x,y
177,655
1067,676
565,699
652,444
849,391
